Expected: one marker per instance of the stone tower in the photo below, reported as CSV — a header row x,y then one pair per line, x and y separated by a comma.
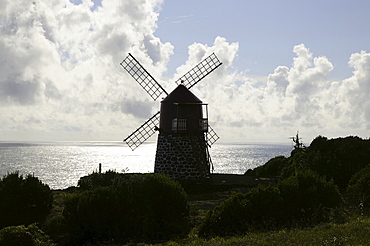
x,y
182,151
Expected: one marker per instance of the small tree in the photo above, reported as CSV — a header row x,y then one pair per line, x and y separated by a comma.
x,y
23,200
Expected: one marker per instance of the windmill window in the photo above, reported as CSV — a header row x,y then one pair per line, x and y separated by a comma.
x,y
203,123
174,124
178,124
181,124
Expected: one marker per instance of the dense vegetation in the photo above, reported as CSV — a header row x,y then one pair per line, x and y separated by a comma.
x,y
23,200
322,197
133,208
21,235
335,159
302,200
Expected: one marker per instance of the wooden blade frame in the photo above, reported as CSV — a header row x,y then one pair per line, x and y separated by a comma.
x,y
200,71
145,80
211,136
144,132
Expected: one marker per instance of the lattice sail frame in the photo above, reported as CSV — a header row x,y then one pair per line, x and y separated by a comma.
x,y
200,71
145,80
155,90
211,136
144,132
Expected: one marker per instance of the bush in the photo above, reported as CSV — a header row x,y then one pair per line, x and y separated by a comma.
x,y
23,200
338,159
307,198
358,190
96,180
21,235
273,168
302,200
134,208
258,209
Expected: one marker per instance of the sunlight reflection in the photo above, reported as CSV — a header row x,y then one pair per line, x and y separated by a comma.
x,y
62,164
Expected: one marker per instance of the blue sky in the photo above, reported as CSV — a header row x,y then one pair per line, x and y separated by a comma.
x,y
267,30
288,66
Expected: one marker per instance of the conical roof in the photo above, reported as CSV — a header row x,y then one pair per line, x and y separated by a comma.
x,y
182,95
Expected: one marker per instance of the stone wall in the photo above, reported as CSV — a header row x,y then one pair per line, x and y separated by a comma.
x,y
182,157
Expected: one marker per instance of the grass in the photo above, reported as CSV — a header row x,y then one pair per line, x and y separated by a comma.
x,y
356,232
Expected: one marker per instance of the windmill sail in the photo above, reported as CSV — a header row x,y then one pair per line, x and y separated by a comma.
x,y
144,132
145,80
200,71
211,136
155,90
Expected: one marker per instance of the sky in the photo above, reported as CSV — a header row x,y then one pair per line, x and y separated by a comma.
x,y
288,66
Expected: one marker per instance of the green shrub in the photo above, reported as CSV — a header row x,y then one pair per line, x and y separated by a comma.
x,y
338,159
307,197
55,227
226,219
358,190
318,143
23,200
134,208
21,235
273,168
258,209
302,200
96,180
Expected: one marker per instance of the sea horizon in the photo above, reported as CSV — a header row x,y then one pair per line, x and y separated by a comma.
x,y
60,164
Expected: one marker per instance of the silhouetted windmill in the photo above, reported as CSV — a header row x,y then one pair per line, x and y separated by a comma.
x,y
184,133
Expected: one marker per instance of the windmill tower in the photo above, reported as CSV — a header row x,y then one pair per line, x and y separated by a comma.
x,y
182,122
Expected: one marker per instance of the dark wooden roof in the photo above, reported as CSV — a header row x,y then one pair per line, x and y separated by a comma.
x,y
182,95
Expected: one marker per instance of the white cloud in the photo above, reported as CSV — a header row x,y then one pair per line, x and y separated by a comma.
x,y
61,79
301,97
60,69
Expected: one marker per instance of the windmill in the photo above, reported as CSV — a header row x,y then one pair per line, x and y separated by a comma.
x,y
182,122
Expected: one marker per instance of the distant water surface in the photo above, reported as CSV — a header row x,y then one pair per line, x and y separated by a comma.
x,y
61,164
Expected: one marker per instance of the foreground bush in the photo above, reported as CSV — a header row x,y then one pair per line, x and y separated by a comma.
x,y
358,190
134,208
21,235
244,212
23,200
308,198
302,200
96,180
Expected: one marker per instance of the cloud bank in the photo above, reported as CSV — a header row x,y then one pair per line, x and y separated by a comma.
x,y
61,79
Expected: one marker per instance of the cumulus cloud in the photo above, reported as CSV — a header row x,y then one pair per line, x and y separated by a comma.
x,y
300,97
59,64
61,79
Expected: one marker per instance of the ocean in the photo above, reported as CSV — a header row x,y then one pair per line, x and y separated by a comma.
x,y
61,164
